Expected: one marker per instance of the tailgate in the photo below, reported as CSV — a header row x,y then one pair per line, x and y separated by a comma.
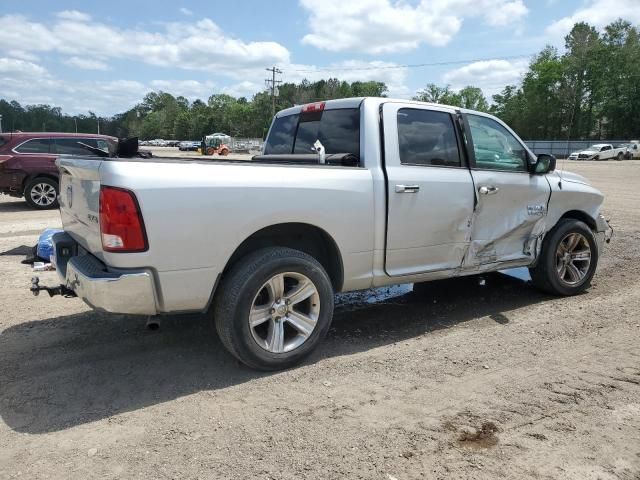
x,y
79,200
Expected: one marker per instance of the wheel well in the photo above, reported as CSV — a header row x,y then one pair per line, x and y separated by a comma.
x,y
33,176
582,216
300,236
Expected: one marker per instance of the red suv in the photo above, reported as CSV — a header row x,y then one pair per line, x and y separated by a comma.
x,y
27,162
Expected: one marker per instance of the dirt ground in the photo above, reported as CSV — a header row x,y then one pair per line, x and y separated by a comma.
x,y
460,380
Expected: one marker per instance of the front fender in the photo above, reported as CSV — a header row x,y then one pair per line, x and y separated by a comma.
x,y
570,193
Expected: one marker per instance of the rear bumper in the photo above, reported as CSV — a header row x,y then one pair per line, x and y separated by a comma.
x,y
130,292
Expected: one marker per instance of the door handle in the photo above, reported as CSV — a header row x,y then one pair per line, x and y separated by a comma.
x,y
407,188
488,190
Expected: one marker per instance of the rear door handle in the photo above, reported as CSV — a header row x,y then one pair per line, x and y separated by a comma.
x,y
488,190
407,188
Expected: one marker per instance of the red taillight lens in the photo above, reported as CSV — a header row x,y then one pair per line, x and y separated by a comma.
x,y
313,107
121,225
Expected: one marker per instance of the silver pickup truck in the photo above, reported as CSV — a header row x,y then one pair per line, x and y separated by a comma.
x,y
347,194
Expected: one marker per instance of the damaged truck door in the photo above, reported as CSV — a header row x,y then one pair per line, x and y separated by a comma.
x,y
511,203
451,211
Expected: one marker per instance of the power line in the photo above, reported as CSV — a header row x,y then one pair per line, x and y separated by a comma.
x,y
411,65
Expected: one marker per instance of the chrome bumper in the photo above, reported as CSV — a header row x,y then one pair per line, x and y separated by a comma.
x,y
130,292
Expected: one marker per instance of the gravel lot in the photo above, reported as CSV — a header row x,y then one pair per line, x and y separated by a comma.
x,y
458,380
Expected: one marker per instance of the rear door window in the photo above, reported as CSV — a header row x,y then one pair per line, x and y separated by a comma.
x,y
36,145
427,137
338,130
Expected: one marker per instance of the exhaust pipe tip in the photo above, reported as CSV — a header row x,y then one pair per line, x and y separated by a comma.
x,y
153,323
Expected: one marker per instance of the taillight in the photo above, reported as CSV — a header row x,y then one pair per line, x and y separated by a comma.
x,y
313,107
121,225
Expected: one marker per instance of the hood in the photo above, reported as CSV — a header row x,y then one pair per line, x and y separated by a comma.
x,y
589,152
572,177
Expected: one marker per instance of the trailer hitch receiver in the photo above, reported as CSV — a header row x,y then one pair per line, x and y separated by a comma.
x,y
52,291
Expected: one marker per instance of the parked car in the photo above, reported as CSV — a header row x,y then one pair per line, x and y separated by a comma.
x,y
188,146
348,194
27,162
599,151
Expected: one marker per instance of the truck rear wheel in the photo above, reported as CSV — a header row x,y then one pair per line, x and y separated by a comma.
x,y
273,308
41,193
568,259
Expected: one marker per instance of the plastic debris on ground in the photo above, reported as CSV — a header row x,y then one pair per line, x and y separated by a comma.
x,y
45,244
42,267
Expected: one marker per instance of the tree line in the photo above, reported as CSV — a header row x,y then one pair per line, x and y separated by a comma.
x,y
590,91
162,115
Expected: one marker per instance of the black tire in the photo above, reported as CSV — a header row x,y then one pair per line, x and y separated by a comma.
x,y
33,193
596,158
239,288
545,275
620,156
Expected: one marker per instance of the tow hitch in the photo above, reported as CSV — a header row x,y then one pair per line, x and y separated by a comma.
x,y
52,291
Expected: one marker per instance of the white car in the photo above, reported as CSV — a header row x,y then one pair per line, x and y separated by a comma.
x,y
599,151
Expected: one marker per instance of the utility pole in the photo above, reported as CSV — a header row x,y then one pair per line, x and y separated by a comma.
x,y
272,84
98,125
75,120
0,123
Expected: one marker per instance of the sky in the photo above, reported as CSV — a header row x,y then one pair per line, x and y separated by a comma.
x,y
105,56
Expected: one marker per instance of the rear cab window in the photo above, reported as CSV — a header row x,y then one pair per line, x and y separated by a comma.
x,y
3,141
337,129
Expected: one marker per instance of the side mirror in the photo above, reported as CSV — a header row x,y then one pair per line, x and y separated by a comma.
x,y
545,163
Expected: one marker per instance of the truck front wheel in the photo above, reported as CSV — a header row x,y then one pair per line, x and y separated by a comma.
x,y
568,259
273,308
41,193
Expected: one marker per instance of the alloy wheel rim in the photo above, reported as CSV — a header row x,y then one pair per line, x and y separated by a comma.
x,y
284,313
573,258
43,194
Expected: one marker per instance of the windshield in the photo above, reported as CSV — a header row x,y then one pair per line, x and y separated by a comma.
x,y
338,130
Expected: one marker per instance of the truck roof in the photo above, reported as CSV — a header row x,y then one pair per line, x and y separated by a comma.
x,y
355,102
